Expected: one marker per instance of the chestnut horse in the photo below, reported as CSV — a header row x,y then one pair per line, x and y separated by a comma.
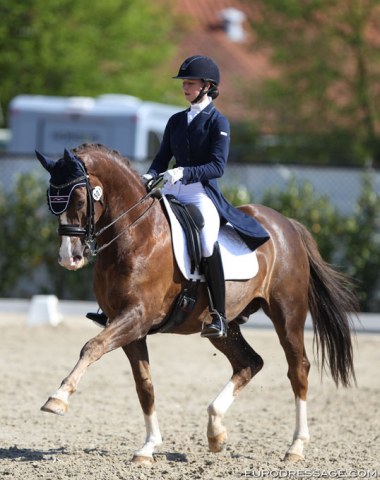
x,y
137,281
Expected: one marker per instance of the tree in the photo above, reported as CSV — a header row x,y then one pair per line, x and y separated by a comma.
x,y
327,60
65,47
350,242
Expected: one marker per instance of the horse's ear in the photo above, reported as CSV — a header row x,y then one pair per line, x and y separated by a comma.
x,y
76,164
68,155
46,162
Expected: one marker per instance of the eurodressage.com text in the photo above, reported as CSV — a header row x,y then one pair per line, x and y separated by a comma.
x,y
340,473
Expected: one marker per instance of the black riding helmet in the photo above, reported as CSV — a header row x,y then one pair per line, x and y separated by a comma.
x,y
200,67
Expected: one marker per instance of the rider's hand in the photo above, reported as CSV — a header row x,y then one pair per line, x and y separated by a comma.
x,y
173,175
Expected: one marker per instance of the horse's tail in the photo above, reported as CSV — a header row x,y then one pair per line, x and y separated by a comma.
x,y
331,303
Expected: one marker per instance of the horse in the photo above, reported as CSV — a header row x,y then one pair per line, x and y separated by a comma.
x,y
136,282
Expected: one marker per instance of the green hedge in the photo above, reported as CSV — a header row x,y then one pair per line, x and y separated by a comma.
x,y
335,148
29,243
29,247
351,243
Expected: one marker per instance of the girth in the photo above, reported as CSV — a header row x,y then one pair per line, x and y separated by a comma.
x,y
192,222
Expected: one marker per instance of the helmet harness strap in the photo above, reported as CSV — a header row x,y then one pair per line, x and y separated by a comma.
x,y
201,93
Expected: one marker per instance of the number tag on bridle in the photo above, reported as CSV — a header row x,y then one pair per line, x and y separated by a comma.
x,y
97,193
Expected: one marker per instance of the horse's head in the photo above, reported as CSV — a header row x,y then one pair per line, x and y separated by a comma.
x,y
71,198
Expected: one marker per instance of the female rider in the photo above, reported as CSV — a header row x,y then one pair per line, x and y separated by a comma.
x,y
198,138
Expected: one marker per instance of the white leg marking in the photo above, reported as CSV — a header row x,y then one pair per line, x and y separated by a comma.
x,y
61,395
218,408
302,430
153,436
301,433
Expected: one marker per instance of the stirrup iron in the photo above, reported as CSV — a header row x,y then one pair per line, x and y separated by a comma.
x,y
217,328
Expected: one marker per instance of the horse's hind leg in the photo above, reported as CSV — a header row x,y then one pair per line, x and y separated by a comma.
x,y
137,354
245,363
290,330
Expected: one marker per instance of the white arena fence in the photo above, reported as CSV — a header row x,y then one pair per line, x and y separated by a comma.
x,y
341,185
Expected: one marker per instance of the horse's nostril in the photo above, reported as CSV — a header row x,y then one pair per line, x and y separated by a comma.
x,y
77,258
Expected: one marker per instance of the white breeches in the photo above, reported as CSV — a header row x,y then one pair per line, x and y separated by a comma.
x,y
196,194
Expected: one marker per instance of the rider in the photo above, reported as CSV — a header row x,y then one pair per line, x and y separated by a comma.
x,y
198,138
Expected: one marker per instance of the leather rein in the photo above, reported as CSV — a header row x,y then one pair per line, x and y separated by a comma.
x,y
88,234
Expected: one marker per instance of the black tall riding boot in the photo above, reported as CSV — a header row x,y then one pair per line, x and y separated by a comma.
x,y
213,271
100,318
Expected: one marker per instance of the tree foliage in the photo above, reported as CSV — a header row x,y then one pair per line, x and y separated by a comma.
x,y
65,47
300,201
361,246
350,242
327,60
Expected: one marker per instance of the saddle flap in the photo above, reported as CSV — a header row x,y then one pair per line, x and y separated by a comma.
x,y
192,222
195,216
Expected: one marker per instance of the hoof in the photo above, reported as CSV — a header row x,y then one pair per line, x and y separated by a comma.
x,y
54,405
143,460
295,451
293,457
217,443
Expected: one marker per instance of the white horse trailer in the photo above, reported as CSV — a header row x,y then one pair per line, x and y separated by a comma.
x,y
122,122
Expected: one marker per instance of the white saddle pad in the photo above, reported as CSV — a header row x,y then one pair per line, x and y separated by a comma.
x,y
239,262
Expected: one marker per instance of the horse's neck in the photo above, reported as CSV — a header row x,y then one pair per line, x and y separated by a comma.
x,y
122,188
127,207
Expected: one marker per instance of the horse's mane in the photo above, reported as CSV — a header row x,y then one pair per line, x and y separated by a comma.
x,y
87,152
90,149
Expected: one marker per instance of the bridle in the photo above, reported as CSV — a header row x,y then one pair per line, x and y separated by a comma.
x,y
88,234
77,230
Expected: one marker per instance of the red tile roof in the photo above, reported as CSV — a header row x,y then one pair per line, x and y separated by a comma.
x,y
241,67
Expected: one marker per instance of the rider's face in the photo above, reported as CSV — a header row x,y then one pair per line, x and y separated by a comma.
x,y
192,88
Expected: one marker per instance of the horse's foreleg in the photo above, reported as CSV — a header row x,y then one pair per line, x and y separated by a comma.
x,y
115,335
137,354
58,402
245,364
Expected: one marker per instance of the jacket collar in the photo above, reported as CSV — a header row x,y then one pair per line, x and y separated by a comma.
x,y
201,117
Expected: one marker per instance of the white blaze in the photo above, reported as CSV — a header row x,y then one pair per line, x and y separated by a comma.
x,y
65,251
71,250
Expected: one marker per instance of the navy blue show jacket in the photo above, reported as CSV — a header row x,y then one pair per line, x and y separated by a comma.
x,y
201,148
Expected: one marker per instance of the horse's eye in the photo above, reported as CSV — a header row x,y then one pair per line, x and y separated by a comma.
x,y
80,204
